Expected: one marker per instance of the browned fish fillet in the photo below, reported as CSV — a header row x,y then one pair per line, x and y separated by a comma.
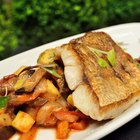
x,y
101,93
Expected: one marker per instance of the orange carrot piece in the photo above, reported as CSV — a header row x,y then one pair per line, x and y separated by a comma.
x,y
79,125
30,135
62,130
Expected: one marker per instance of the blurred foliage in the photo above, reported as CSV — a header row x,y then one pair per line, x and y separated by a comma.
x,y
8,38
38,22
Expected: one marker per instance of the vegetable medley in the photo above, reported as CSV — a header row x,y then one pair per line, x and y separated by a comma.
x,y
39,96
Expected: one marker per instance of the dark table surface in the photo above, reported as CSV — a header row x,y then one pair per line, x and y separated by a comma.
x,y
130,131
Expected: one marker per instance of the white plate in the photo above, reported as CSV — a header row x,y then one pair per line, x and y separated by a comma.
x,y
129,34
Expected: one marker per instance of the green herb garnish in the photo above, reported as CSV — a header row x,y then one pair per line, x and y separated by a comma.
x,y
103,63
110,55
52,71
3,101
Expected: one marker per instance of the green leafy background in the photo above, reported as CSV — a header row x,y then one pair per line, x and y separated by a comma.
x,y
25,24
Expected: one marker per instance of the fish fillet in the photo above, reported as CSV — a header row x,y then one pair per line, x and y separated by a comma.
x,y
101,93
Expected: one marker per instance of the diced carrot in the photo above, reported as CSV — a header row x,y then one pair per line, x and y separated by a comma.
x,y
30,135
62,130
79,125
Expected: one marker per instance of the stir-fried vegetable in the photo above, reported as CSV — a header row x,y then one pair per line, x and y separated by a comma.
x,y
65,115
38,96
20,69
7,84
53,72
69,100
48,57
79,125
51,93
23,122
45,115
32,81
5,119
21,79
62,130
20,99
3,101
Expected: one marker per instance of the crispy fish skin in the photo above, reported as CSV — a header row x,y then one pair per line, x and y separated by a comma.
x,y
110,86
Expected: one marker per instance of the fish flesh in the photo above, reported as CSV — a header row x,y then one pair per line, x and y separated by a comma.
x,y
101,93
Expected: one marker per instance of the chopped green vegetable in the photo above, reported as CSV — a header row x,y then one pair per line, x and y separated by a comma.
x,y
103,63
110,56
52,71
3,101
47,57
